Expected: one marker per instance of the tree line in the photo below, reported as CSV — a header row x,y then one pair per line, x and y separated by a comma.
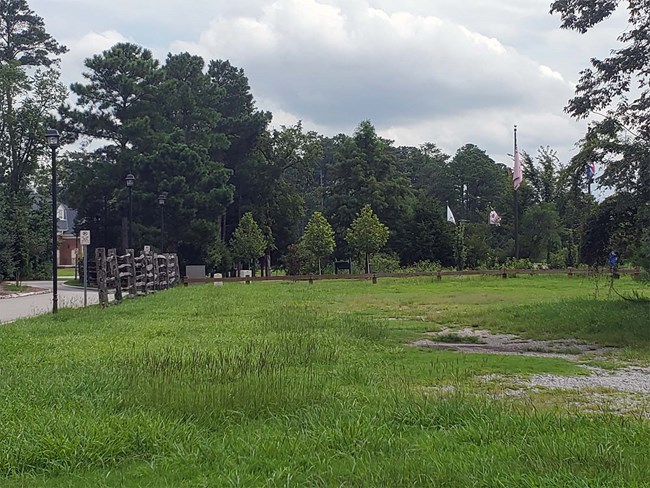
x,y
240,191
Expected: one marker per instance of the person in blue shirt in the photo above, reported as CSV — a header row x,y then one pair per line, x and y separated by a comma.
x,y
613,260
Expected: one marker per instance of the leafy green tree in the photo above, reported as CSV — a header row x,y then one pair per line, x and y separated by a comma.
x,y
367,235
427,236
248,242
478,183
364,172
160,126
617,84
29,92
617,87
610,227
244,127
318,238
540,231
460,246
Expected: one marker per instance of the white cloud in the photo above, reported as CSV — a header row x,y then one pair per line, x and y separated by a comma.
x,y
446,71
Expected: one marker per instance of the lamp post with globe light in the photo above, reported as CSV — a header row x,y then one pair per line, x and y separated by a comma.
x,y
52,138
130,180
161,201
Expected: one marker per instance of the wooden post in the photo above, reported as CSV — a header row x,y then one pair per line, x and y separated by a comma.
x,y
177,269
130,277
100,259
311,279
570,273
114,265
439,275
504,274
148,273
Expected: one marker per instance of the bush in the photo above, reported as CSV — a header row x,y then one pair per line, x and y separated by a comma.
x,y
425,266
384,263
524,263
559,259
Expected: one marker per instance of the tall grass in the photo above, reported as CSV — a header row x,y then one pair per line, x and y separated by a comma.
x,y
222,387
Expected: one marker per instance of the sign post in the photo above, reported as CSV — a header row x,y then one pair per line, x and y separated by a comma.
x,y
84,236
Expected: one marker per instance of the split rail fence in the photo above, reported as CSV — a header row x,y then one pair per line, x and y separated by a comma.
x,y
505,273
131,275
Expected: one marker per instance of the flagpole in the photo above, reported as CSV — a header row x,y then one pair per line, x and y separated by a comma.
x,y
516,204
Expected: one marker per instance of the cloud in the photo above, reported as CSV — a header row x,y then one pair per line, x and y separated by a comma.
x,y
84,47
446,71
336,65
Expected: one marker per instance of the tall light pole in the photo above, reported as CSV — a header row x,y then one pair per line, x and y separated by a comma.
x,y
52,138
130,179
161,201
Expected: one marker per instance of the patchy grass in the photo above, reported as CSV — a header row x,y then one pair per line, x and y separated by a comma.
x,y
13,288
287,384
453,338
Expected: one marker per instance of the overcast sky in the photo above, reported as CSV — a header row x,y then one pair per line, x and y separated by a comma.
x,y
441,71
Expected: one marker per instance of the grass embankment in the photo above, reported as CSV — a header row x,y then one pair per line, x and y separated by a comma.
x,y
281,384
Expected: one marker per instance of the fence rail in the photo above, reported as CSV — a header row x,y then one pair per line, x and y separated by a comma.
x,y
505,273
134,275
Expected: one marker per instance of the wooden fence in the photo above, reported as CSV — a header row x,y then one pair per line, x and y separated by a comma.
x,y
505,273
133,275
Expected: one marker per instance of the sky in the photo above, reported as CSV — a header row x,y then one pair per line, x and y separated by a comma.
x,y
444,71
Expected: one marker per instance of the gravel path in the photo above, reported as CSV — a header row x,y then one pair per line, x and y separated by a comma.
x,y
622,391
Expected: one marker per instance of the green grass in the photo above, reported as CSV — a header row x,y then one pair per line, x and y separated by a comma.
x,y
290,384
13,288
65,272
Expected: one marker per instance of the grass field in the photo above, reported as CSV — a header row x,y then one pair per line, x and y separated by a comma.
x,y
290,384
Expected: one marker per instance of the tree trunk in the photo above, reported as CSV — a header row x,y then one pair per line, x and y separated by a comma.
x,y
320,272
367,264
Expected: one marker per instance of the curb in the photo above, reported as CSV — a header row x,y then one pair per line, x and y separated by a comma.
x,y
29,294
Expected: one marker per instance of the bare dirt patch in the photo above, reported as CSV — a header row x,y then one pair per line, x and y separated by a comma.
x,y
620,392
485,342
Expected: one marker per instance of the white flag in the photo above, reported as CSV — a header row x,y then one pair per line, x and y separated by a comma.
x,y
494,218
450,216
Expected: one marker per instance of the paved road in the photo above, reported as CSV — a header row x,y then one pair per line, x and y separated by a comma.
x,y
15,308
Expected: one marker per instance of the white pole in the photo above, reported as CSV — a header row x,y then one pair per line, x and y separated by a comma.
x,y
85,275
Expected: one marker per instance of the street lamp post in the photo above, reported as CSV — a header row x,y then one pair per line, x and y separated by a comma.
x,y
130,179
52,137
161,201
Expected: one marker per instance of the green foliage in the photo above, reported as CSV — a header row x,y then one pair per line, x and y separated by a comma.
x,y
29,92
364,172
385,263
617,84
296,260
522,263
367,235
318,239
24,38
248,242
540,231
460,247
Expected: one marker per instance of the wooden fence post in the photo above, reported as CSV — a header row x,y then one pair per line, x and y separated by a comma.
x,y
130,272
570,273
439,275
114,267
100,259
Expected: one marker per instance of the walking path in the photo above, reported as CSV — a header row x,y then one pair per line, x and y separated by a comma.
x,y
28,306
